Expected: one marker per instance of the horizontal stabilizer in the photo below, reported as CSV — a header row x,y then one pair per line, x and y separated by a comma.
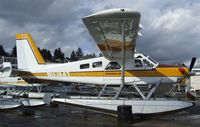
x,y
6,69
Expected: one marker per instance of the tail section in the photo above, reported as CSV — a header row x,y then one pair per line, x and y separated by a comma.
x,y
6,69
28,55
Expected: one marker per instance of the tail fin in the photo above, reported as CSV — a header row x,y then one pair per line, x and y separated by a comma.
x,y
28,55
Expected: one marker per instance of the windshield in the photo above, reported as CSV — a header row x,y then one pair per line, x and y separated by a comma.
x,y
155,62
138,63
147,63
113,65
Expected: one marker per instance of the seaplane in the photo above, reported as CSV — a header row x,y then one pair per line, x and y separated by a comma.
x,y
115,32
11,82
11,98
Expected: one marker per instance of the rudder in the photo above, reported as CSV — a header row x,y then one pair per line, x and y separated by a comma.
x,y
28,55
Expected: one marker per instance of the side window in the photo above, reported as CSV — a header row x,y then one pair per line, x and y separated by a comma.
x,y
138,63
113,65
97,64
84,66
19,79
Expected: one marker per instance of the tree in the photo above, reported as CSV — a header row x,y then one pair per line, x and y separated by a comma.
x,y
73,56
3,52
58,55
93,55
49,56
79,53
61,54
46,54
14,52
100,55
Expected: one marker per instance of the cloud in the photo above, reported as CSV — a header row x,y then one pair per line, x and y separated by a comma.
x,y
173,35
171,28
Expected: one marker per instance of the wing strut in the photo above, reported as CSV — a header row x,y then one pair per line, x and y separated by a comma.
x,y
123,61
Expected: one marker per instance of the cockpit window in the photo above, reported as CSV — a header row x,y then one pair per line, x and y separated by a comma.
x,y
113,65
152,60
147,63
139,56
138,63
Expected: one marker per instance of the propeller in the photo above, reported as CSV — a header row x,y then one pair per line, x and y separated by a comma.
x,y
192,63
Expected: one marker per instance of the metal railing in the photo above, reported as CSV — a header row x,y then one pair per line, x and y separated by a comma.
x,y
12,60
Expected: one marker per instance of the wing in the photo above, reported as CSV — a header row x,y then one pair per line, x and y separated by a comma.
x,y
106,29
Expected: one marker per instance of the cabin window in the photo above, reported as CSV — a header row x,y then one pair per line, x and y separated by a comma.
x,y
138,63
19,79
97,64
113,65
84,66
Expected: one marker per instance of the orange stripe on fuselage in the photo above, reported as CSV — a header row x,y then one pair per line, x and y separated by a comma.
x,y
34,48
157,72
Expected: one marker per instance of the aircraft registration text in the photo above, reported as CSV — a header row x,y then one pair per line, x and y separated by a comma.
x,y
57,74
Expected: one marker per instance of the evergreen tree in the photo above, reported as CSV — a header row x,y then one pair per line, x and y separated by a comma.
x,y
46,54
73,56
79,53
49,56
93,55
100,55
3,52
39,50
14,52
55,54
58,55
61,54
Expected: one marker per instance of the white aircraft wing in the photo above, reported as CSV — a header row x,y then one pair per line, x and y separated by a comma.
x,y
106,29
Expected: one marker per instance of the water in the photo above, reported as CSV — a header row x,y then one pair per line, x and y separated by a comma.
x,y
69,116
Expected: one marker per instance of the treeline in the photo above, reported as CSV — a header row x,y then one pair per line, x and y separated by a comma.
x,y
58,55
79,55
13,52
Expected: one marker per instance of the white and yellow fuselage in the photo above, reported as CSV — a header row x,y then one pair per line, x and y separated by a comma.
x,y
6,80
92,71
15,81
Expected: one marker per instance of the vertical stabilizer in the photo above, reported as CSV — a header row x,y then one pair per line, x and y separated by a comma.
x,y
6,69
28,55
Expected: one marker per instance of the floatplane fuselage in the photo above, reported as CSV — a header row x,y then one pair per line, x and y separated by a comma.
x,y
142,69
6,80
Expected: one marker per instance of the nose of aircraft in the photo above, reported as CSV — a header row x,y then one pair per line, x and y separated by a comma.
x,y
188,71
182,70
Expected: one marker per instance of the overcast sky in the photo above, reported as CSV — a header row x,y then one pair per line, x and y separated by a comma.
x,y
171,31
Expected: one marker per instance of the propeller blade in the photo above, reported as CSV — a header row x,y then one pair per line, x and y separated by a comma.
x,y
192,63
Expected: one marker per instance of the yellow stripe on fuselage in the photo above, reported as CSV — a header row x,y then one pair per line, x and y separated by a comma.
x,y
33,46
157,72
11,83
